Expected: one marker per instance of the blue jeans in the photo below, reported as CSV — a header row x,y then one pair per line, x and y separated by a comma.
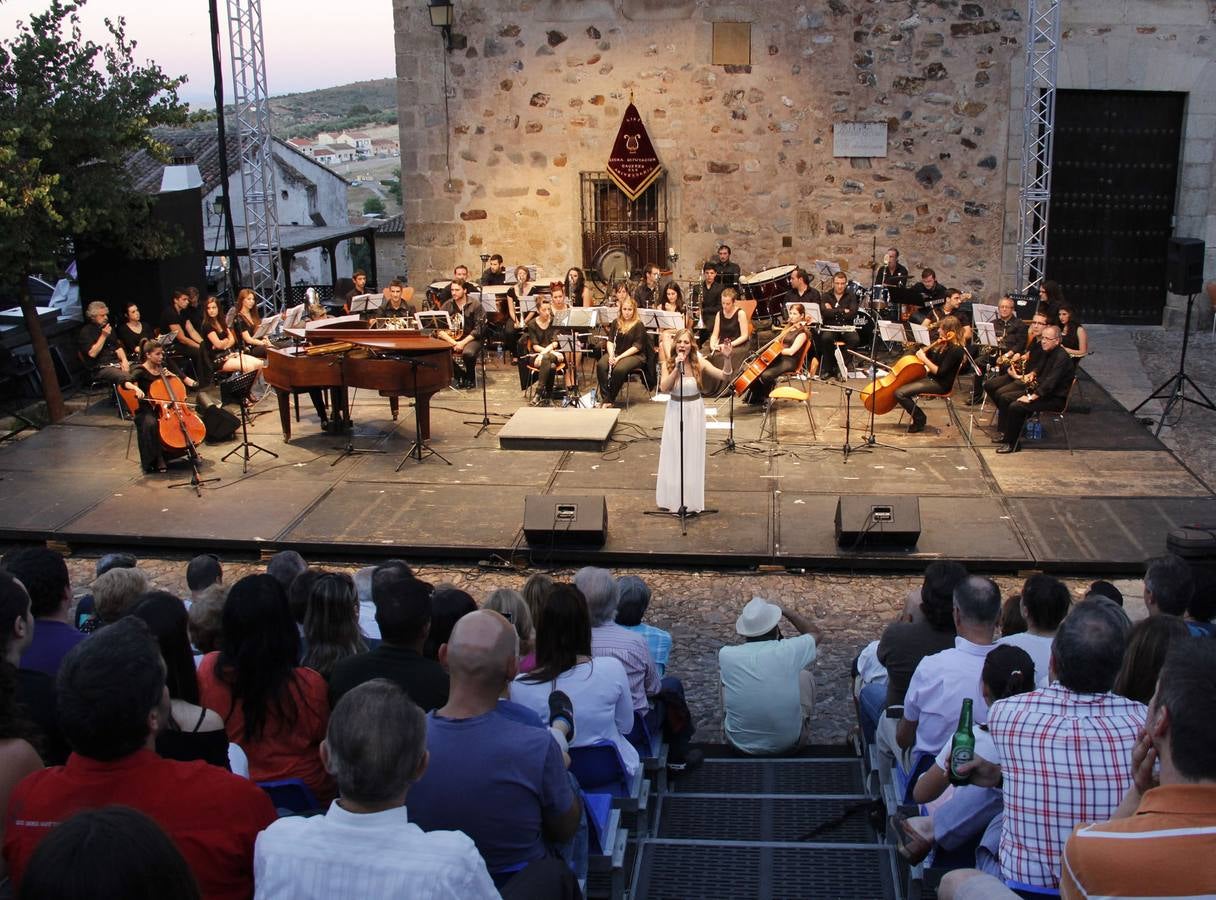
x,y
871,703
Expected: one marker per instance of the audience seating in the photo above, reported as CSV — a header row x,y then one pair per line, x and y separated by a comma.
x,y
291,797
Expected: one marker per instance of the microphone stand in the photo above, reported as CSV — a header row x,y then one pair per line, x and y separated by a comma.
x,y
870,441
421,447
729,445
682,513
485,423
350,449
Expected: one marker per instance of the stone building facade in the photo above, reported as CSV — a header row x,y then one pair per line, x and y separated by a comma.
x,y
535,92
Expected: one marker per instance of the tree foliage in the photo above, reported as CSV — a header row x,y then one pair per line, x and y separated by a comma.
x,y
373,205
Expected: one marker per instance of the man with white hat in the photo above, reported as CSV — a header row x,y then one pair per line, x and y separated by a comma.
x,y
768,693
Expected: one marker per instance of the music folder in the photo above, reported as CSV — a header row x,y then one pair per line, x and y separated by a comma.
x,y
268,325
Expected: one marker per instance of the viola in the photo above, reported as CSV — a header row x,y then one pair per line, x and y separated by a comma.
x,y
879,395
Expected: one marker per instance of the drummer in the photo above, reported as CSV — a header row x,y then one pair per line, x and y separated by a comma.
x,y
839,308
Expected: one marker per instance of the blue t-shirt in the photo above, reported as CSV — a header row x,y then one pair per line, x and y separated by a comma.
x,y
494,778
51,643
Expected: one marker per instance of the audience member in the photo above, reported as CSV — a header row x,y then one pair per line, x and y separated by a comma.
x,y
105,562
116,593
633,599
112,703
510,604
610,639
202,572
1012,620
205,620
44,574
31,691
1044,604
331,623
273,709
367,606
1168,586
1147,644
365,845
448,605
1105,589
598,687
535,590
298,593
403,614
1063,751
768,691
1202,608
114,851
500,781
284,566
190,731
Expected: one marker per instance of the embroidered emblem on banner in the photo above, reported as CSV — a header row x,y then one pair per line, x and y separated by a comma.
x,y
634,164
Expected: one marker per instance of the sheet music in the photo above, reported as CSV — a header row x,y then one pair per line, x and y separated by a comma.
x,y
658,319
527,304
581,317
825,268
489,302
892,332
608,314
335,320
268,325
293,316
432,319
982,312
987,333
920,334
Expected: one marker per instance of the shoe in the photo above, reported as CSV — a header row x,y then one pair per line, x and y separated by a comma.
x,y
561,708
911,846
919,419
692,760
1009,448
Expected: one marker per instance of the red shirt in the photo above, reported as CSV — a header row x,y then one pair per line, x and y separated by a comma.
x,y
283,752
211,815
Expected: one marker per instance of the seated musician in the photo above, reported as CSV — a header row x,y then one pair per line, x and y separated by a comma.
x,y
246,322
731,333
793,341
893,273
545,357
133,332
494,272
577,288
221,341
515,329
1073,337
358,285
460,276
952,306
800,281
728,272
624,353
941,360
1020,367
1011,335
189,344
1047,391
673,301
147,415
839,306
99,347
709,292
468,330
647,293
927,293
396,305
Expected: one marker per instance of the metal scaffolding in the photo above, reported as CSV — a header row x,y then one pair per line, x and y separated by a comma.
x,y
258,193
1038,138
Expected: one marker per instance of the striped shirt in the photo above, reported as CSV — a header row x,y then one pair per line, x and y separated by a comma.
x,y
1165,850
1066,759
619,642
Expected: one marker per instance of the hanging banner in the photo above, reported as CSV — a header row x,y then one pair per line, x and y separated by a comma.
x,y
634,164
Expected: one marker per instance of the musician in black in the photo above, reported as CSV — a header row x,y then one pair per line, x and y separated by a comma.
x,y
893,273
1021,367
494,273
800,281
1010,334
625,351
941,360
542,343
147,415
99,347
465,339
731,333
357,286
709,292
460,275
647,293
189,343
395,305
728,272
1047,391
927,293
793,340
839,308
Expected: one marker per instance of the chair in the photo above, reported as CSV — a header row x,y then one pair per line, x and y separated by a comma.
x,y
534,378
599,769
291,797
787,391
639,375
1060,415
951,411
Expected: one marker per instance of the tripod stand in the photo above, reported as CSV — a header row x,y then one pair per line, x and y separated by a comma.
x,y
1175,387
239,387
344,413
484,422
869,442
421,447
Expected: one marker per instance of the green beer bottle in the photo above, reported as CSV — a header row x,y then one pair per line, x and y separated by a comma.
x,y
962,747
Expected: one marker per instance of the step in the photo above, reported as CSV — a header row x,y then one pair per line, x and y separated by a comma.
x,y
773,776
719,817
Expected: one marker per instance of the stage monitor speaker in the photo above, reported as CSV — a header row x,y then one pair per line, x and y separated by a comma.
x,y
221,425
869,521
1184,266
560,520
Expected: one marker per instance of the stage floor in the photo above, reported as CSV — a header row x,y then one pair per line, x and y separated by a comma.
x,y
1106,507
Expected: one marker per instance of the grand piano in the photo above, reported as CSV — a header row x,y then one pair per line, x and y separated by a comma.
x,y
361,357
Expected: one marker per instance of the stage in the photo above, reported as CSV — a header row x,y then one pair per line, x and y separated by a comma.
x,y
1102,509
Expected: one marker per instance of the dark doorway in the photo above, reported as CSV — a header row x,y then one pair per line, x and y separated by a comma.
x,y
621,236
1113,182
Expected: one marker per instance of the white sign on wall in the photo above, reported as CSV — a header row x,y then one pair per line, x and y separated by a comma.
x,y
859,139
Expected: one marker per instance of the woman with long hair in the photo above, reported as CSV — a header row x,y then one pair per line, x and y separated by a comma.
x,y
1073,337
221,341
942,359
511,605
275,710
535,590
132,332
793,339
684,379
449,604
246,323
625,352
331,622
598,687
1144,655
193,731
577,288
672,302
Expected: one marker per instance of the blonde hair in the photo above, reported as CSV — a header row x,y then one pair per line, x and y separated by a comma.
x,y
206,618
511,604
115,592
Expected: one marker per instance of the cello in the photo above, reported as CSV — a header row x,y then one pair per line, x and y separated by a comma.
x,y
180,429
757,366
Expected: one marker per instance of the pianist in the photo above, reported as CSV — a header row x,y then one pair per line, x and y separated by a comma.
x,y
468,329
839,307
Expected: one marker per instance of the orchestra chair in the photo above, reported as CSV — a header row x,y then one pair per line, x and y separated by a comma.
x,y
640,375
1061,415
952,417
559,370
91,386
787,390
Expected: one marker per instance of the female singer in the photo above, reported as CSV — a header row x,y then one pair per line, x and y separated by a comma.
x,y
246,323
542,344
793,341
682,380
577,288
147,416
673,301
626,351
1073,337
132,333
942,360
220,341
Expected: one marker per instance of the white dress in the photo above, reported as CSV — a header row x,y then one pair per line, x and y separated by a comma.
x,y
667,488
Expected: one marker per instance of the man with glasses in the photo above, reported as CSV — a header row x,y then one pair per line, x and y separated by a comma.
x,y
1047,390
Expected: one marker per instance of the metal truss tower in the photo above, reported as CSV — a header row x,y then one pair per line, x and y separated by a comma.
x,y
258,193
1038,139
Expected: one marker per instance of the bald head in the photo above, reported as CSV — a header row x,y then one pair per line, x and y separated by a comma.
x,y
483,650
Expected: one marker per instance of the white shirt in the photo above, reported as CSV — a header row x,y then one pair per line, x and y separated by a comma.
x,y
344,854
935,694
603,706
1039,648
760,692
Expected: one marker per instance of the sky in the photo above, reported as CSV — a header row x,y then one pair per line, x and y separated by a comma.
x,y
309,43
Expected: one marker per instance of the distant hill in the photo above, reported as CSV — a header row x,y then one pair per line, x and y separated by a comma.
x,y
356,105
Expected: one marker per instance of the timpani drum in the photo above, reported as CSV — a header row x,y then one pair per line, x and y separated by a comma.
x,y
767,289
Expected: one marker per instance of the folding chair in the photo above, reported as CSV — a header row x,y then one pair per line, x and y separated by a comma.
x,y
951,411
1061,415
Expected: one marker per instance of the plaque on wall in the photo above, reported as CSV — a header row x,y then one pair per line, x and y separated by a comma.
x,y
859,139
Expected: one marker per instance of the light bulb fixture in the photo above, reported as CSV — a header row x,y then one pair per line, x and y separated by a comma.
x,y
442,16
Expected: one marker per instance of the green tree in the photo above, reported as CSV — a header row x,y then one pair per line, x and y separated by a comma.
x,y
73,110
373,205
393,185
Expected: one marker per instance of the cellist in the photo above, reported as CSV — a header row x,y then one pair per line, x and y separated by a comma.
x,y
147,416
942,359
793,341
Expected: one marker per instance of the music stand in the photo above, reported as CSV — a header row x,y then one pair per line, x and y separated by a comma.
x,y
365,303
421,448
239,387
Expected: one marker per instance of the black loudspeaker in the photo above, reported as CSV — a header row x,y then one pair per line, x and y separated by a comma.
x,y
221,425
1184,266
565,521
871,521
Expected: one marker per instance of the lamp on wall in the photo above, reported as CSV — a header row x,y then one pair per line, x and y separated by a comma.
x,y
442,15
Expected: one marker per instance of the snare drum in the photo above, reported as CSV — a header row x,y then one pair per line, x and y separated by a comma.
x,y
767,289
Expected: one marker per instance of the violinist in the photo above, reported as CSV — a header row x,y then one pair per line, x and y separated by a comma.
x,y
793,341
147,415
625,352
941,360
